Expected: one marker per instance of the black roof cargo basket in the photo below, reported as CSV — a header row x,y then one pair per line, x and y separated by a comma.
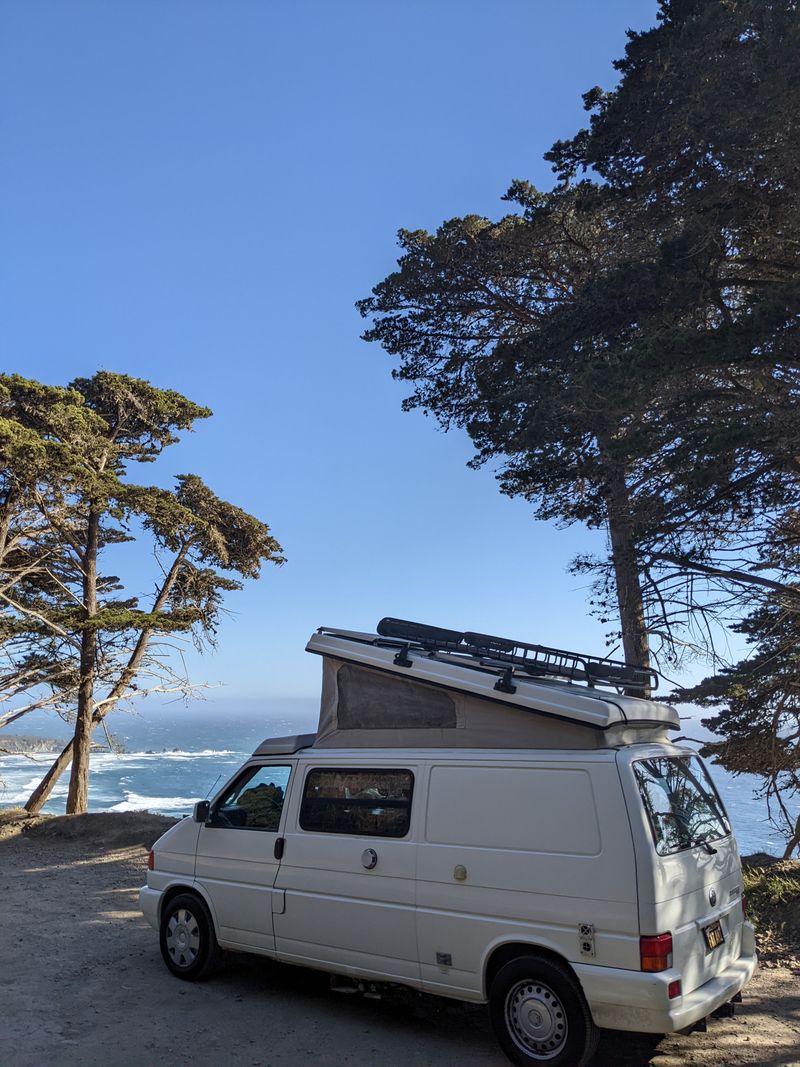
x,y
516,658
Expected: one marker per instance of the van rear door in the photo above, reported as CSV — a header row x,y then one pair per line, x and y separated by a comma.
x,y
688,868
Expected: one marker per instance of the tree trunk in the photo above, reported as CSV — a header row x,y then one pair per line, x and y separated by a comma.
x,y
793,842
78,795
6,514
39,796
633,625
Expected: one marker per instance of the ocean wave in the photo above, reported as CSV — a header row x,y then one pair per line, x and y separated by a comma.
x,y
15,792
21,792
100,759
193,755
137,802
176,753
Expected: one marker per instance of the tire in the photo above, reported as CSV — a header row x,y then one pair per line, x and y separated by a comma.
x,y
188,943
539,1014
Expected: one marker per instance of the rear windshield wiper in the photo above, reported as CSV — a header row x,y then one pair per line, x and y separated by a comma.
x,y
704,843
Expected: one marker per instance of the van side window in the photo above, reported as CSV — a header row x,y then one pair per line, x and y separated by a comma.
x,y
254,801
354,801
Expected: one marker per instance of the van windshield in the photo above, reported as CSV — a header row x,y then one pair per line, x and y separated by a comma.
x,y
682,805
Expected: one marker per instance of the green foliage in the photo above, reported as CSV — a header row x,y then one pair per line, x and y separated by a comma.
x,y
698,146
773,905
703,109
140,420
626,350
756,706
481,315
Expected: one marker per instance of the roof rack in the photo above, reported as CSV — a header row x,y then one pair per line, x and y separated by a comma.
x,y
512,658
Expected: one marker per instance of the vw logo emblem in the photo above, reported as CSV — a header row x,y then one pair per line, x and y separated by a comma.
x,y
712,897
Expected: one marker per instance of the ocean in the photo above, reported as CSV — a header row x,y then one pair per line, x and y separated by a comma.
x,y
169,762
172,760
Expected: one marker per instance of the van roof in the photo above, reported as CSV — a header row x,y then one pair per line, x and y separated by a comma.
x,y
285,746
514,674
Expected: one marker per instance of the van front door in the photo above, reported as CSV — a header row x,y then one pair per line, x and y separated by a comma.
x,y
349,873
236,863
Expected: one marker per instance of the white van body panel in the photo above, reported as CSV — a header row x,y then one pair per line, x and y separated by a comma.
x,y
627,1000
176,863
538,865
177,848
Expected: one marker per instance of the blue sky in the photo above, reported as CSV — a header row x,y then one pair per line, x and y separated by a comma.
x,y
196,193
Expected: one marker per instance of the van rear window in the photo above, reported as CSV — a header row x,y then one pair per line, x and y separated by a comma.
x,y
682,805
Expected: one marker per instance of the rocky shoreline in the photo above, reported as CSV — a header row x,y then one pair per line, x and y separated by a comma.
x,y
20,745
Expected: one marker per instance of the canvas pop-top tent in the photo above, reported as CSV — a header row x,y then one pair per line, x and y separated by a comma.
x,y
415,686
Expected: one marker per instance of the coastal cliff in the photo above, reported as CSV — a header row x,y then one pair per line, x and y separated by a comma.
x,y
20,745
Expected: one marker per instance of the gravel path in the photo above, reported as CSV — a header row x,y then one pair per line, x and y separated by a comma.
x,y
82,985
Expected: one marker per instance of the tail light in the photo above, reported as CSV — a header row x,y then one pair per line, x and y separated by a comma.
x,y
151,861
655,953
674,989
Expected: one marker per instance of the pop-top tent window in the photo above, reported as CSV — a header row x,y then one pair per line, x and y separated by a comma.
x,y
370,700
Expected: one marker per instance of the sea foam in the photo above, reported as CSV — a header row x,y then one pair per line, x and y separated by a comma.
x,y
137,802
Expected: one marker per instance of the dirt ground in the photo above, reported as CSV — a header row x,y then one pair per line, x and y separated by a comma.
x,y
82,985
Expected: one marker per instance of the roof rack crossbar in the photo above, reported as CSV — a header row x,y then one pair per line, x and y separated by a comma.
x,y
500,653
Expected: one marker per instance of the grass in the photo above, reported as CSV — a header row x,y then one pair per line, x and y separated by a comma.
x,y
773,906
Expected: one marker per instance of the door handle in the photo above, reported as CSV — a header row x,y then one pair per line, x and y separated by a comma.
x,y
280,843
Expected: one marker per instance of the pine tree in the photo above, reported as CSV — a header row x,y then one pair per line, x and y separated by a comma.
x,y
626,349
68,455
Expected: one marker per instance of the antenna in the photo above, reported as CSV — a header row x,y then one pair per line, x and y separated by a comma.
x,y
212,787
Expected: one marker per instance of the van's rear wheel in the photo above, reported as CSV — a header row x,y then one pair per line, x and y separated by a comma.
x,y
188,944
539,1014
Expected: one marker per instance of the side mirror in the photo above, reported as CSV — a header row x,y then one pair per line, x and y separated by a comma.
x,y
201,811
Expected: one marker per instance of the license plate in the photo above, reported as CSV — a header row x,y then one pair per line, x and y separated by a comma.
x,y
713,935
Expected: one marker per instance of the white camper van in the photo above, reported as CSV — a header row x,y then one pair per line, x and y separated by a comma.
x,y
476,818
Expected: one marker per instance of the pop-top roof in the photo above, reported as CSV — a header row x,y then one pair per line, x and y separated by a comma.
x,y
515,674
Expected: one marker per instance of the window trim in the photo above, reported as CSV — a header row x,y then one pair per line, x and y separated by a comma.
x,y
407,804
244,776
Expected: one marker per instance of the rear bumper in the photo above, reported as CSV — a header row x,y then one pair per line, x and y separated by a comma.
x,y
149,902
632,1000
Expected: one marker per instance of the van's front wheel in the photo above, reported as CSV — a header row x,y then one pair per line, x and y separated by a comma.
x,y
188,945
539,1014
